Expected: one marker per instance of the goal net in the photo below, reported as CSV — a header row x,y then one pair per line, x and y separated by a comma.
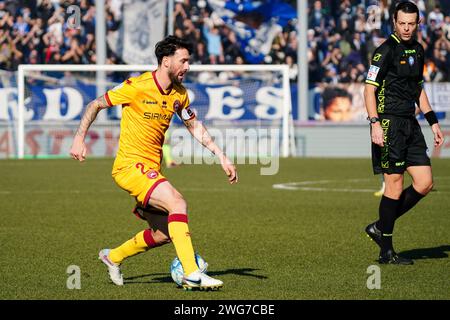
x,y
246,108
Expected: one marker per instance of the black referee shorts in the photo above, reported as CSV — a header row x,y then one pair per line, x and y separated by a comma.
x,y
404,146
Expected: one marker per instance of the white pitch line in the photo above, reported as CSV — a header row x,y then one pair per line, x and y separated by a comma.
x,y
281,187
303,185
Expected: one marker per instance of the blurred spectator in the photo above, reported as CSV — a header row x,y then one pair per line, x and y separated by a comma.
x,y
317,16
215,48
431,72
436,15
293,68
21,26
200,54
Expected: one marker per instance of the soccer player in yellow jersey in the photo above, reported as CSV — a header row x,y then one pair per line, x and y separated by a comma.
x,y
148,104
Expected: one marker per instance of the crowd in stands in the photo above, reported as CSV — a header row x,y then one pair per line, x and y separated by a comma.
x,y
43,32
342,35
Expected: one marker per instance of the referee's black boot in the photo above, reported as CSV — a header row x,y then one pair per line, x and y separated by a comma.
x,y
390,257
374,233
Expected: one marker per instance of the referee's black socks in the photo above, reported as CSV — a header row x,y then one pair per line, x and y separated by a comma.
x,y
388,214
408,199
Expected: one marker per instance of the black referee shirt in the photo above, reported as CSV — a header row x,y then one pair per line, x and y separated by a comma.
x,y
397,72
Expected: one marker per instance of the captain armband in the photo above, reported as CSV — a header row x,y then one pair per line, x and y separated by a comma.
x,y
431,117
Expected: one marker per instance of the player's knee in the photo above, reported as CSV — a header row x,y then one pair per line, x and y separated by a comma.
x,y
177,204
424,187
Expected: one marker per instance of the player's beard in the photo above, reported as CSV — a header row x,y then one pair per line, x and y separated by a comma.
x,y
174,78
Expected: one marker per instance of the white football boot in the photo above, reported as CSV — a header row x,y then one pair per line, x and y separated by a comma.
x,y
201,281
113,269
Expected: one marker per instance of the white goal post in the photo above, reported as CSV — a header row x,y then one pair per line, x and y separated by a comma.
x,y
287,138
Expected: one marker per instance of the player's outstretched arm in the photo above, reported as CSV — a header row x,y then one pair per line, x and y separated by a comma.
x,y
425,107
199,132
78,149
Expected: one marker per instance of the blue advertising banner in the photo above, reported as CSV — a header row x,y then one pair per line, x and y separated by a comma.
x,y
251,100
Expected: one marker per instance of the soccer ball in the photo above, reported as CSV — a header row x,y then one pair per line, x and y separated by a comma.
x,y
177,272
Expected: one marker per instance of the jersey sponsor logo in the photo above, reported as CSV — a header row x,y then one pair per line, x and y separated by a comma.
x,y
373,73
156,116
187,114
149,102
377,57
410,51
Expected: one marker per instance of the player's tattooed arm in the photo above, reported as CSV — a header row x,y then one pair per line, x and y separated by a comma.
x,y
199,132
189,123
90,114
78,150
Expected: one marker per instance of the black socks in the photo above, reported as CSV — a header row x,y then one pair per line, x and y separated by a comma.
x,y
388,214
390,210
408,199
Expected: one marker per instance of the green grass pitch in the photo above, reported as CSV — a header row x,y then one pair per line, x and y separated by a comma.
x,y
264,243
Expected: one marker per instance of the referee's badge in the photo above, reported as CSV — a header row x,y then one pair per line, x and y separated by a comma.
x,y
411,60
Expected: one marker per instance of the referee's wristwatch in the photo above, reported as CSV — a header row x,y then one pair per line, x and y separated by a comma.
x,y
373,120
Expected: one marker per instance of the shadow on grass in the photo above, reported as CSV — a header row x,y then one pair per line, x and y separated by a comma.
x,y
427,253
166,278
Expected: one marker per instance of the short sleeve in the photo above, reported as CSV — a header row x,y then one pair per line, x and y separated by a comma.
x,y
185,113
121,94
379,65
421,61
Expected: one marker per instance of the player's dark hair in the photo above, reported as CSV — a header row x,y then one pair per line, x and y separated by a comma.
x,y
407,7
329,94
168,46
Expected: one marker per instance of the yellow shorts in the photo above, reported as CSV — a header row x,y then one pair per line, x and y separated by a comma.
x,y
139,180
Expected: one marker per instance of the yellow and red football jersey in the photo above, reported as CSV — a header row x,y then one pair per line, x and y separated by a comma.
x,y
146,114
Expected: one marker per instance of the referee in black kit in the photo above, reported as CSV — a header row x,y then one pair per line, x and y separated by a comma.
x,y
394,85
